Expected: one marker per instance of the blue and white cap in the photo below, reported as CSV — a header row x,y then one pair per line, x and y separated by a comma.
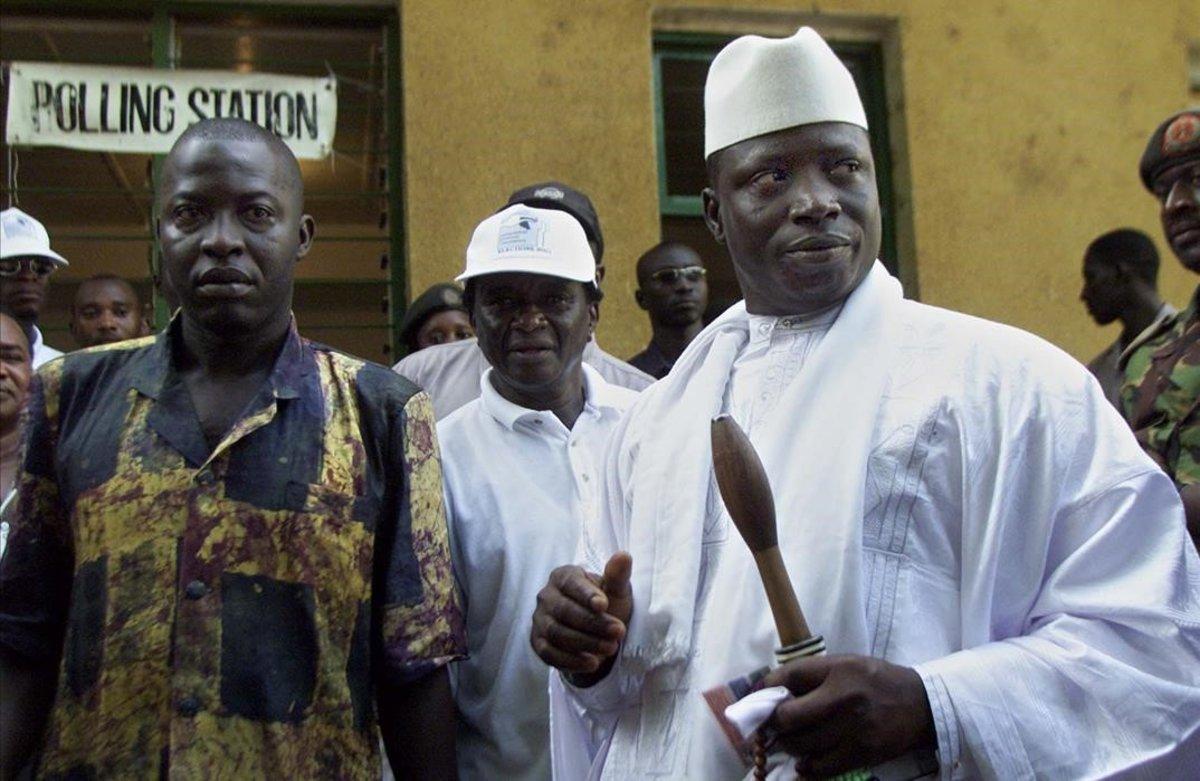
x,y
22,236
529,240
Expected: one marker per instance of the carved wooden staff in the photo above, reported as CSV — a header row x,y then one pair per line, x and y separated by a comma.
x,y
747,494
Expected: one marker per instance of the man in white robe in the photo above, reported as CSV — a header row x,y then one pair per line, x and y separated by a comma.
x,y
1002,578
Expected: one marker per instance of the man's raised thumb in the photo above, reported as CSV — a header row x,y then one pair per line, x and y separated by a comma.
x,y
615,582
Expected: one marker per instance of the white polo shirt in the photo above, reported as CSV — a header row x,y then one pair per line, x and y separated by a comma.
x,y
519,486
41,352
450,373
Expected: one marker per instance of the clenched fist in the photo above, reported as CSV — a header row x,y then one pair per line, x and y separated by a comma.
x,y
850,712
581,618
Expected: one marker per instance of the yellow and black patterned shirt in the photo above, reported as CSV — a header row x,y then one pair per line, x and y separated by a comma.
x,y
223,613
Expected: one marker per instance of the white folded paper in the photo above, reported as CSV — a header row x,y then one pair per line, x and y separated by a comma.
x,y
749,713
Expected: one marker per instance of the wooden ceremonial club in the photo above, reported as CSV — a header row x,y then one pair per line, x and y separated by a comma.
x,y
747,495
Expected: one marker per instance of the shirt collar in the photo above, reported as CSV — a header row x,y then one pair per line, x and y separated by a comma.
x,y
154,368
653,354
597,397
764,327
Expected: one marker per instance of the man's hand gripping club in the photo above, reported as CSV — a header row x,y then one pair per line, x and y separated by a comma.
x,y
581,619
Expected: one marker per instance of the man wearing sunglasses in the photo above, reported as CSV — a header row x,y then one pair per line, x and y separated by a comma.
x,y
26,263
673,290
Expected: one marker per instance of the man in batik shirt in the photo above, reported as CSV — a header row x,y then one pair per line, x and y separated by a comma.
x,y
230,545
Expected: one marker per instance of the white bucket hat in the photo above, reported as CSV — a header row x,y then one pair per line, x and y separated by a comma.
x,y
22,235
531,241
760,85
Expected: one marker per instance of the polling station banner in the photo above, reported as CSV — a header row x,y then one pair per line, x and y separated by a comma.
x,y
144,109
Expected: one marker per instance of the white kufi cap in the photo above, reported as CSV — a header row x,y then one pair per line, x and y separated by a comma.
x,y
759,85
532,241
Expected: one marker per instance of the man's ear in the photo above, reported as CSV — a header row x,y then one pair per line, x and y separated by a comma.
x,y
1124,272
712,214
594,317
641,299
308,227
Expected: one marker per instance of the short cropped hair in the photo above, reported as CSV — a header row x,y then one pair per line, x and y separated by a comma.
x,y
25,326
234,129
1128,248
109,278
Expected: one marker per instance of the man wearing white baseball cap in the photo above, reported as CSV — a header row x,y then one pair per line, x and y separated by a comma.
x,y
522,471
450,373
1002,577
26,263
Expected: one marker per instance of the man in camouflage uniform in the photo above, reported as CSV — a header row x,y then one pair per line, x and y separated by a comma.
x,y
229,547
1161,393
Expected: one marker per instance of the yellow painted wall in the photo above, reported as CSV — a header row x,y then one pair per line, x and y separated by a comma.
x,y
1019,125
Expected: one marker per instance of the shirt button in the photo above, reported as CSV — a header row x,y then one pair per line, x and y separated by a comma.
x,y
586,478
196,589
188,707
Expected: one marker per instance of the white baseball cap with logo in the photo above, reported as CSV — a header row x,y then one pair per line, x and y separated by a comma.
x,y
23,236
529,240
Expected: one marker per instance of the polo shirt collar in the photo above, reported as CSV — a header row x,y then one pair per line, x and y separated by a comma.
x,y
597,397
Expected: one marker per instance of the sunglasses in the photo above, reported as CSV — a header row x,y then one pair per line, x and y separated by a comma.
x,y
669,276
10,267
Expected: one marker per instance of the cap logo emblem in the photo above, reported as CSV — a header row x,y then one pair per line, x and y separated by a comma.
x,y
549,193
521,233
20,226
1184,132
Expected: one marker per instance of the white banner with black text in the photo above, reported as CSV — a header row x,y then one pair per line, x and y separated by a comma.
x,y
144,110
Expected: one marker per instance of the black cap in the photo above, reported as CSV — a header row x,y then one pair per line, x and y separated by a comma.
x,y
1177,139
556,195
438,298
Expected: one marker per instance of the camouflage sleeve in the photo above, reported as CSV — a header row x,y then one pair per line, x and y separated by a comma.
x,y
36,568
1187,467
422,620
1136,368
1161,399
